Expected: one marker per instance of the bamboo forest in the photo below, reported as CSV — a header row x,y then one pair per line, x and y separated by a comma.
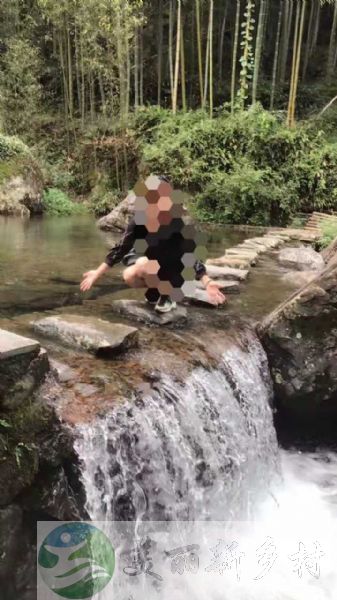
x,y
168,299
244,91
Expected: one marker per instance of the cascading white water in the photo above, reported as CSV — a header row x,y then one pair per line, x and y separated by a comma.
x,y
206,451
198,450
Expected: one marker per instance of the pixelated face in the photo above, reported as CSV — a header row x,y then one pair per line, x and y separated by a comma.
x,y
172,247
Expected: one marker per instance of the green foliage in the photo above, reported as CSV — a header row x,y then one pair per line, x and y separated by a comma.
x,y
103,201
20,90
57,203
11,146
329,233
243,168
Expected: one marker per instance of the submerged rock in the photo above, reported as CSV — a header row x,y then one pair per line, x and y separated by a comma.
x,y
299,278
145,313
88,333
302,259
300,338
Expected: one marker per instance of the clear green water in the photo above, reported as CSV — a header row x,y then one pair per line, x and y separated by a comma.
x,y
42,261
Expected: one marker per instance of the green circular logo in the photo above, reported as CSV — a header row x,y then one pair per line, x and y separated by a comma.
x,y
76,560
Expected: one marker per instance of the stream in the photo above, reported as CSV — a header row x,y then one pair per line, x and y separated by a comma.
x,y
188,456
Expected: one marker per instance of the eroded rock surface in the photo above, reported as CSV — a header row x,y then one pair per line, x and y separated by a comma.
x,y
300,338
140,311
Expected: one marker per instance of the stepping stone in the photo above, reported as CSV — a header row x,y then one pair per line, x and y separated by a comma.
x,y
250,255
15,345
274,241
229,287
248,245
145,313
227,273
200,298
229,261
88,333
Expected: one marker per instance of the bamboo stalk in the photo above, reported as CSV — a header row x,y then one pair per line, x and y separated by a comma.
x,y
276,55
176,70
235,53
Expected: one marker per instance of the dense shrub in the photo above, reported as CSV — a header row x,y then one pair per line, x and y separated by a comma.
x,y
11,146
102,201
242,168
57,203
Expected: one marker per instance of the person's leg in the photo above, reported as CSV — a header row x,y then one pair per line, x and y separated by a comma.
x,y
142,274
134,276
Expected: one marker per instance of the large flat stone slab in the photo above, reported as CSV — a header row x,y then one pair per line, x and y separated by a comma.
x,y
88,333
12,345
227,273
229,261
145,313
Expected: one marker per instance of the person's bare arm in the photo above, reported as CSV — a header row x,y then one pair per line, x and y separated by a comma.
x,y
113,257
213,290
90,277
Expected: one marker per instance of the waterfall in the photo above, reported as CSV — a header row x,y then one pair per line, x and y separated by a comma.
x,y
201,457
199,449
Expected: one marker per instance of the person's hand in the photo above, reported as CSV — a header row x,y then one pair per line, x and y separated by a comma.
x,y
88,280
214,294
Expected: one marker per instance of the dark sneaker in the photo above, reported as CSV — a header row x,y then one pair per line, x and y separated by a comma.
x,y
165,304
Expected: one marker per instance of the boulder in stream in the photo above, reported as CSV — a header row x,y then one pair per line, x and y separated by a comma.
x,y
118,218
145,313
302,259
88,333
300,338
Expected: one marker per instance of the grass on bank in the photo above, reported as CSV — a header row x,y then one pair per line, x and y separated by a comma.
x,y
329,230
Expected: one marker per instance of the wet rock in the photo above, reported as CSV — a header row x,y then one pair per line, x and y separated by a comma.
x,y
227,273
141,311
118,218
23,388
18,470
302,259
23,366
10,529
300,338
63,371
88,333
13,345
86,389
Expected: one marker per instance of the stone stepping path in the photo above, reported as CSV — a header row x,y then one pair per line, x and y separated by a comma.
x,y
234,266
